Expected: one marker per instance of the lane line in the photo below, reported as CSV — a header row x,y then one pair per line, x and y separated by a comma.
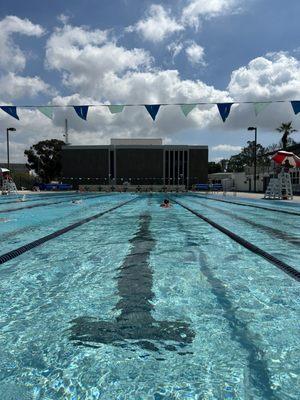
x,y
244,204
279,234
48,204
273,260
20,250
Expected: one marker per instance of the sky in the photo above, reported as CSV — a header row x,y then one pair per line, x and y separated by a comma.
x,y
76,52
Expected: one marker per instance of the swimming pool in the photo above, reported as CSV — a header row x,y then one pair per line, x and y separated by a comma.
x,y
148,303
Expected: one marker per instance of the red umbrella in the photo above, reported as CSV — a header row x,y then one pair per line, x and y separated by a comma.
x,y
282,156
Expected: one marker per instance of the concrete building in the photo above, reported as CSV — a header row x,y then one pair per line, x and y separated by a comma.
x,y
135,162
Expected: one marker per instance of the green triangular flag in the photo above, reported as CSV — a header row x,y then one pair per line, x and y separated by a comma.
x,y
114,109
187,108
258,107
47,111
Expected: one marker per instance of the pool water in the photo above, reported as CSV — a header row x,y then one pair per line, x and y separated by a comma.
x,y
148,303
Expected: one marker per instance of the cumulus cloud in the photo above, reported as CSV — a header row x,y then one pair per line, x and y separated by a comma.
x,y
196,10
87,57
95,69
226,148
157,25
12,58
13,86
275,76
31,128
195,54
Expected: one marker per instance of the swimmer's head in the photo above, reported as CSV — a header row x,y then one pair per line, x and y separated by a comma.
x,y
166,201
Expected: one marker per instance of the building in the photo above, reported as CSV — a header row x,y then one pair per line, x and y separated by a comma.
x,y
135,162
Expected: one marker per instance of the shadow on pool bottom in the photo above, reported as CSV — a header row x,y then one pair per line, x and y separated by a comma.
x,y
135,325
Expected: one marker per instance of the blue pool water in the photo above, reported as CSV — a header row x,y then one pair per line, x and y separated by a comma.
x,y
148,303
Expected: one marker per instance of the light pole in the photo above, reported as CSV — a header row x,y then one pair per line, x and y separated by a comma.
x,y
254,128
7,143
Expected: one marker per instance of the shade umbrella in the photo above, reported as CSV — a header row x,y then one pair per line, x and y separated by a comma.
x,y
4,170
281,157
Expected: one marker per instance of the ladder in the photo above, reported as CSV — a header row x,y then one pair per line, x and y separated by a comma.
x,y
280,187
9,186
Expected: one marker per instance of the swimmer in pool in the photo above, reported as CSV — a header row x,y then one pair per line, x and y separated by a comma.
x,y
76,201
166,203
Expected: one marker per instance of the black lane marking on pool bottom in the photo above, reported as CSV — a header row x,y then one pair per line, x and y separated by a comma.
x,y
135,324
240,332
273,260
49,204
272,231
245,204
17,252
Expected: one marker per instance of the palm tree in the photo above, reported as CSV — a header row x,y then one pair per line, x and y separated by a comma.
x,y
286,129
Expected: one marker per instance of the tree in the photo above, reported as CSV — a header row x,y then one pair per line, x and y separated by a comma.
x,y
238,162
45,159
214,167
286,129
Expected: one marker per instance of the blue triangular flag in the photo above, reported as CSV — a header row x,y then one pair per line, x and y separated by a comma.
x,y
152,110
224,110
296,106
81,111
11,110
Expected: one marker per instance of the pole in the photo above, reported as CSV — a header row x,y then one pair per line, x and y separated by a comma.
x,y
255,158
7,145
66,131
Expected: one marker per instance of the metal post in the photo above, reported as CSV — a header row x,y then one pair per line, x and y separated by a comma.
x,y
255,158
254,128
66,135
7,146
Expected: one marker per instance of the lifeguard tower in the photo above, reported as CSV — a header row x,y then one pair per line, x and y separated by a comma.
x,y
7,185
280,187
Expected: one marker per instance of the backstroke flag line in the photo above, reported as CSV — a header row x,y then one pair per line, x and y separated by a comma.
x,y
186,108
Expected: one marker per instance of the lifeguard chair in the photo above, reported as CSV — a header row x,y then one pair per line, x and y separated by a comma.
x,y
7,185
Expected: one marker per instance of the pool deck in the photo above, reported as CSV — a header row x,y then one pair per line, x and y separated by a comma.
x,y
258,196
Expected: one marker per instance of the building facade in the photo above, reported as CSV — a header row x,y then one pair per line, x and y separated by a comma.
x,y
136,162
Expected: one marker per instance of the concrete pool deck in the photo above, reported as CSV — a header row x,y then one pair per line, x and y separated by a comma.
x,y
258,196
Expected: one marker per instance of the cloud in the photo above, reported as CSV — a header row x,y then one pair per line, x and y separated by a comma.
x,y
13,86
195,54
12,58
157,25
226,148
31,128
275,76
94,68
87,57
198,10
175,48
